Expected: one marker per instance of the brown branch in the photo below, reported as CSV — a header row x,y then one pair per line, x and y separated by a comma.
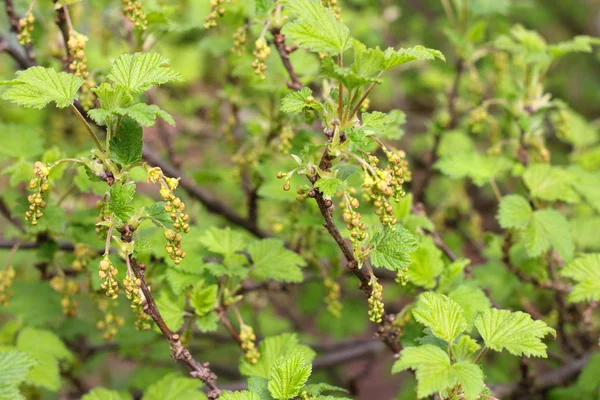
x,y
13,20
284,53
198,370
210,202
63,25
22,61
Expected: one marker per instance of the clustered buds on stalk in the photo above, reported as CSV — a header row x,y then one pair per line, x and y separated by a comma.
x,y
376,301
239,41
78,66
248,339
285,137
6,279
107,273
358,230
333,6
332,298
281,175
111,322
261,52
36,200
25,28
477,117
133,11
67,289
135,296
83,256
175,207
216,10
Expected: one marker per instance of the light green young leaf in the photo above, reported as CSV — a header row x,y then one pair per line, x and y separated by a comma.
x,y
126,147
549,228
514,212
41,340
426,264
288,375
472,300
300,101
587,184
394,58
514,331
441,314
464,348
578,44
550,183
101,393
171,309
273,261
121,196
158,214
384,125
479,167
432,366
271,349
204,299
347,76
585,271
329,185
14,367
316,389
367,62
175,387
223,241
45,373
37,86
243,395
138,72
315,27
392,248
470,378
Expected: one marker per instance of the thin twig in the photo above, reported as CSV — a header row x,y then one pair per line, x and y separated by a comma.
x,y
87,127
13,20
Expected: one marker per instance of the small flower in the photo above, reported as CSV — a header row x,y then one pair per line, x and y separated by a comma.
x,y
41,186
107,272
248,339
376,301
216,11
133,11
25,28
261,52
134,294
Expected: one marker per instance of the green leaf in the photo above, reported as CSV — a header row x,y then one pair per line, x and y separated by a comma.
x,y
146,114
243,395
585,271
392,248
101,393
207,322
20,141
432,366
549,228
346,76
174,387
260,386
514,211
223,241
328,185
315,27
470,378
464,348
121,196
158,213
46,372
316,389
44,341
426,264
204,299
472,301
264,6
384,125
37,86
171,310
288,375
367,62
14,367
138,72
514,331
550,183
479,167
126,147
441,314
587,184
273,261
394,58
271,349
300,101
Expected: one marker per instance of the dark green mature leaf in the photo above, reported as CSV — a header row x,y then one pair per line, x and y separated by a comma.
x,y
126,147
315,27
37,86
121,196
223,241
138,72
392,248
273,261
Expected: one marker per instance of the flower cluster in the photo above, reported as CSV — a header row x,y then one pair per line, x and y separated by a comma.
x,y
332,298
261,52
83,256
358,230
333,6
36,200
285,137
216,10
111,322
239,41
78,66
6,280
133,11
175,207
135,296
107,273
67,289
286,185
25,28
477,119
376,301
248,338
